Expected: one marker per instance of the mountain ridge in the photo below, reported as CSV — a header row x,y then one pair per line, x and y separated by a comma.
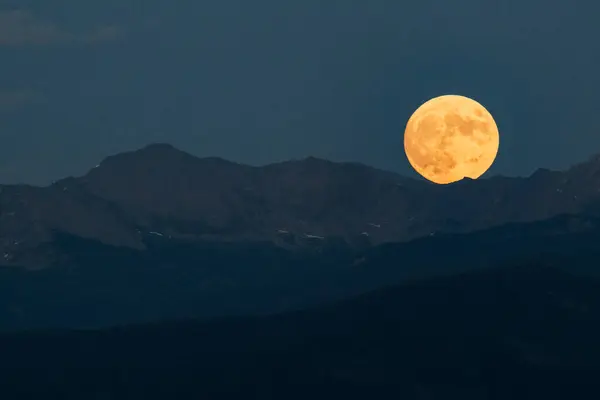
x,y
90,284
164,190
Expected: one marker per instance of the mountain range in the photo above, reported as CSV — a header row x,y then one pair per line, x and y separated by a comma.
x,y
157,234
166,193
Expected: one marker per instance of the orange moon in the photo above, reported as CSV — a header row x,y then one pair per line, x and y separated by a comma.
x,y
451,137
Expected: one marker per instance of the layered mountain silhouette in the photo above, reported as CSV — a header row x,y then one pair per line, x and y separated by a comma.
x,y
92,284
520,332
164,192
201,278
157,234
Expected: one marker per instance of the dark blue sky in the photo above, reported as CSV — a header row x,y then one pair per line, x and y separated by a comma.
x,y
267,80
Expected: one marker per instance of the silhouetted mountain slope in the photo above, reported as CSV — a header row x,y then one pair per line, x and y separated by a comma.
x,y
92,284
513,333
159,234
160,190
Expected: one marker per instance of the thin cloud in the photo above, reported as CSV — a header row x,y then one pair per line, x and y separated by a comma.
x,y
11,100
22,28
19,27
103,34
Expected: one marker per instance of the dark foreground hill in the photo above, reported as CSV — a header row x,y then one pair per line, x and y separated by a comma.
x,y
527,332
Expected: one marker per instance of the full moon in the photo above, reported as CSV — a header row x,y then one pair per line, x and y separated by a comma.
x,y
451,137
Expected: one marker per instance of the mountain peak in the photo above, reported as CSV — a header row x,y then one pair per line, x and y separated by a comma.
x,y
592,164
158,151
313,159
156,157
159,147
